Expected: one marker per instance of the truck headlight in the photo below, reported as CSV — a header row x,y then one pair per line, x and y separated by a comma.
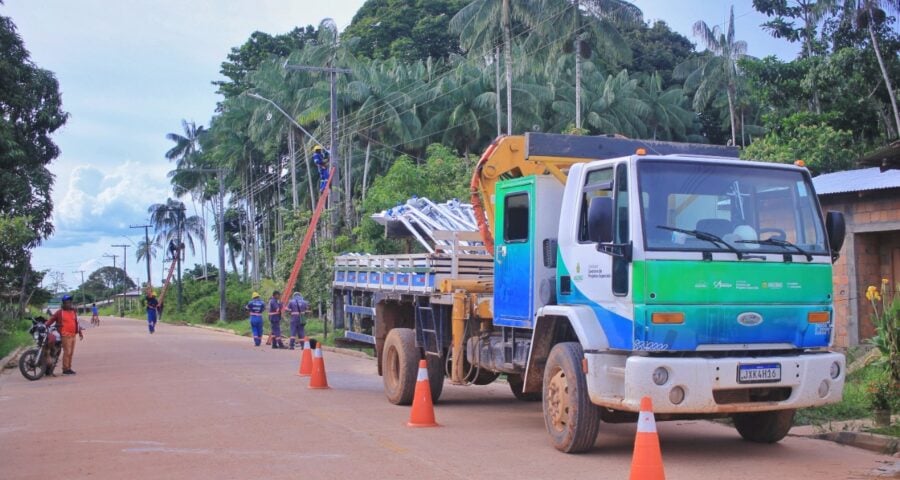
x,y
835,370
660,376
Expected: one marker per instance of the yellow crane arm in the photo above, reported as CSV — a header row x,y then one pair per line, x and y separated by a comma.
x,y
506,158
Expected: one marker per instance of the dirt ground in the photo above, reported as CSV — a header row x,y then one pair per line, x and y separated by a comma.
x,y
193,403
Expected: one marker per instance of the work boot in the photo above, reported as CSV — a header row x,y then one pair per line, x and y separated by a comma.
x,y
292,343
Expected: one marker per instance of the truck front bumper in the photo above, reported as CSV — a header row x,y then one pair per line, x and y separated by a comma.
x,y
712,385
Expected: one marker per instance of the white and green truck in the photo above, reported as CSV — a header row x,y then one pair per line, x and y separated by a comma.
x,y
614,269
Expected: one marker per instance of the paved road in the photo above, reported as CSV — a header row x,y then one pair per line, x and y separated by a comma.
x,y
192,403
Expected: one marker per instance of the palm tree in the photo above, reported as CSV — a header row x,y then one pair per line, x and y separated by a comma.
x,y
145,249
185,145
173,225
482,24
619,108
596,26
708,75
866,12
666,114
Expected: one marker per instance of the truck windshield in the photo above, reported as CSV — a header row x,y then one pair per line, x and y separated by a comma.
x,y
749,208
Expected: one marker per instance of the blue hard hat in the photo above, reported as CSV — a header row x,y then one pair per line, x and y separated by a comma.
x,y
67,298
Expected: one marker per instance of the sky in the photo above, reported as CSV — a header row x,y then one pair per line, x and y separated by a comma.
x,y
130,71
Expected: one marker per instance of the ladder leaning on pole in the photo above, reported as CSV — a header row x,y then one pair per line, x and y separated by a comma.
x,y
307,239
165,286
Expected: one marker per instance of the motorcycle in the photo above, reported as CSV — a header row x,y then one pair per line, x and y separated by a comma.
x,y
41,359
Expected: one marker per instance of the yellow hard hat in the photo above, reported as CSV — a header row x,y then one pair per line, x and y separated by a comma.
x,y
317,148
255,295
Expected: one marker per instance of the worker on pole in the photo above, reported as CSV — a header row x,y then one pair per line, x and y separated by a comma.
x,y
321,158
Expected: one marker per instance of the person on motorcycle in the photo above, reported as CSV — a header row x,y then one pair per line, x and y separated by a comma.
x,y
95,315
66,319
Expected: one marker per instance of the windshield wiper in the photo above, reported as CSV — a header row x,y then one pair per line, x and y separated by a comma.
x,y
709,237
780,243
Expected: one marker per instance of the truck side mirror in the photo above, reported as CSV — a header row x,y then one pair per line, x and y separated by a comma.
x,y
836,230
600,220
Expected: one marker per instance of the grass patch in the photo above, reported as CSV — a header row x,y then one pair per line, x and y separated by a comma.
x,y
18,338
856,403
893,430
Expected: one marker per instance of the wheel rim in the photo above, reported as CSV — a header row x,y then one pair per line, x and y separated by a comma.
x,y
392,372
31,365
558,401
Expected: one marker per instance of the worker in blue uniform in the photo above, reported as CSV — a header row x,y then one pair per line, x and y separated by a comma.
x,y
297,307
275,319
256,307
320,158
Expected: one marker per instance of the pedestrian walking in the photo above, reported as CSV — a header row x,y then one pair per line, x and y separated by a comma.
x,y
297,306
66,319
152,311
275,319
256,307
95,315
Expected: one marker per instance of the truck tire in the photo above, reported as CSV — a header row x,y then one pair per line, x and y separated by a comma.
x,y
400,365
571,419
436,373
516,382
764,427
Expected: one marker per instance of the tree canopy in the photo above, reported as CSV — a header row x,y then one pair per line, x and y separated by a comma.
x,y
30,111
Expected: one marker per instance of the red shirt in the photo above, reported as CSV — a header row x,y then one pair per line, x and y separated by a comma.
x,y
67,321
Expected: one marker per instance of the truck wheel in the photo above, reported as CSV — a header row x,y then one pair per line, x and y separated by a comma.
x,y
435,375
764,427
571,419
400,365
516,382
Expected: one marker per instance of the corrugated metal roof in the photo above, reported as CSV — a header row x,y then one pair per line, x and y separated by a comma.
x,y
856,181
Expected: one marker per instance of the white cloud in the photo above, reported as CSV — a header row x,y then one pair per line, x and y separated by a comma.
x,y
100,201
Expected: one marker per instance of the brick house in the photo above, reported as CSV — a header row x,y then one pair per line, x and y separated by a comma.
x,y
870,202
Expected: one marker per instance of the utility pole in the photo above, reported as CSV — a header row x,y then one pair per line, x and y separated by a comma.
x,y
114,257
147,246
335,147
125,280
82,286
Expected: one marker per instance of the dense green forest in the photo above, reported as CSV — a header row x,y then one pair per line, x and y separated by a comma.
x,y
422,86
425,85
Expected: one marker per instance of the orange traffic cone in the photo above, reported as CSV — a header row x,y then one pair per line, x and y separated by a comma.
x,y
318,379
306,361
647,464
422,414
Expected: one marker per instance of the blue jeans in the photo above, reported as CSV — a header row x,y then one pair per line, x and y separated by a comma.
x,y
256,325
151,319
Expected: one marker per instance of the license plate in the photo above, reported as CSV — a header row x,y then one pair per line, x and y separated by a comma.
x,y
759,373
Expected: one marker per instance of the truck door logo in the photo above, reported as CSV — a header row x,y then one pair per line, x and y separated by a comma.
x,y
749,319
